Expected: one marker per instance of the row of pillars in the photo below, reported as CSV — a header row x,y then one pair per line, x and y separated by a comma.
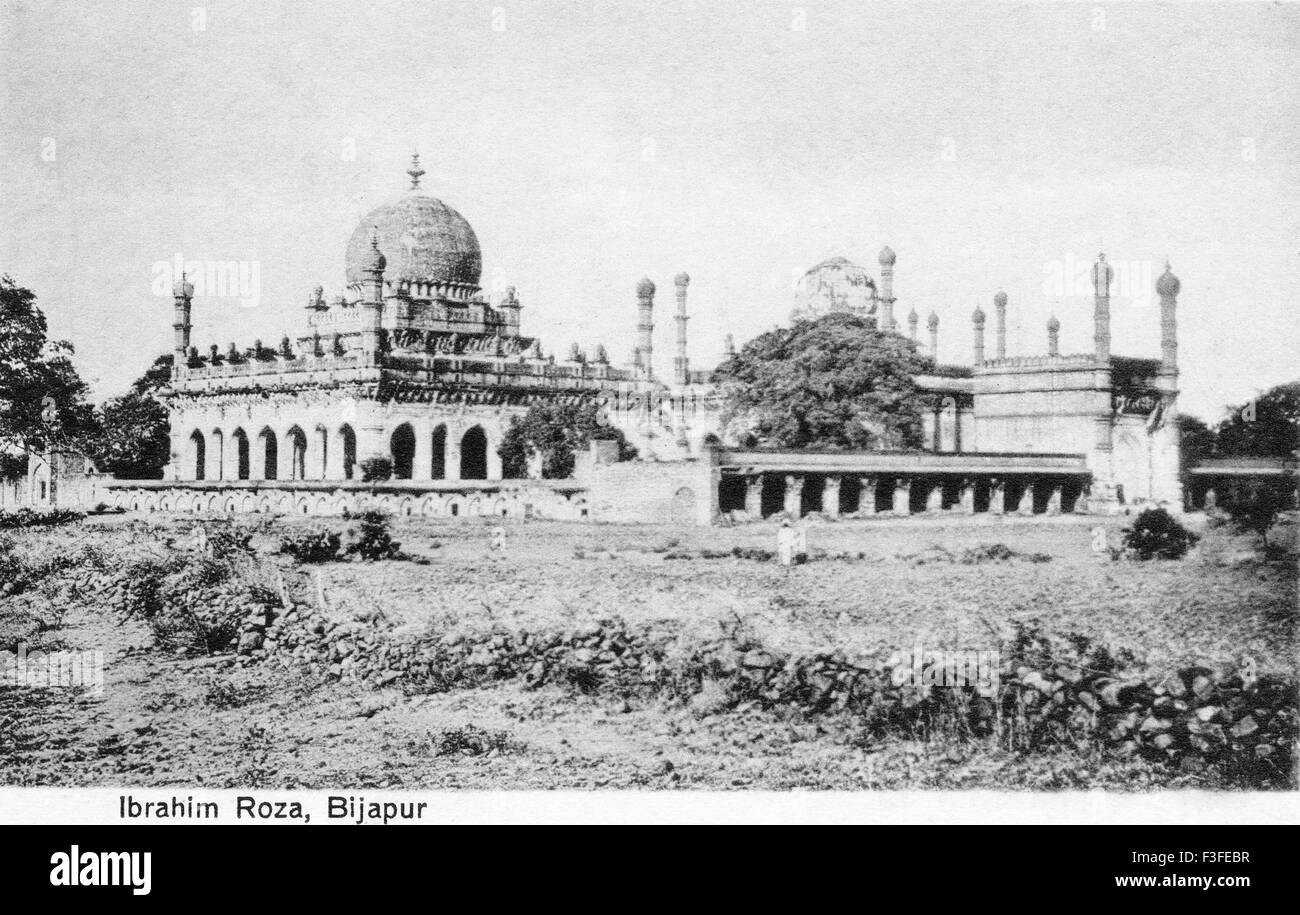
x,y
907,495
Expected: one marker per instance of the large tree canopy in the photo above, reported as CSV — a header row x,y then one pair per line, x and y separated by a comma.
x,y
135,442
1268,426
555,433
42,398
835,381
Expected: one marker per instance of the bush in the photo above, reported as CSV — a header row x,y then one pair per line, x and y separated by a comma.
x,y
1257,510
376,469
315,544
1156,535
371,539
26,517
470,740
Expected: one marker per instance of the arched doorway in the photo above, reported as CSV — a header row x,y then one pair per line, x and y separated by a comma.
x,y
198,454
473,455
440,453
402,447
269,448
241,454
348,441
297,469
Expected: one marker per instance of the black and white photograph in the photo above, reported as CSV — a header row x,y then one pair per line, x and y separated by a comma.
x,y
602,411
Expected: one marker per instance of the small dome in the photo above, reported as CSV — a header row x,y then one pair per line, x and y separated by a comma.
x,y
645,287
182,288
682,279
1053,325
887,256
933,321
912,316
1000,299
1168,284
373,261
978,315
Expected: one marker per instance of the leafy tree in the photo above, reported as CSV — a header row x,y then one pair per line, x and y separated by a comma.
x,y
556,432
135,442
1198,439
42,398
1268,426
835,381
376,469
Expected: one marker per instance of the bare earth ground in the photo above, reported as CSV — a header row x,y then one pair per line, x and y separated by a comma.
x,y
164,721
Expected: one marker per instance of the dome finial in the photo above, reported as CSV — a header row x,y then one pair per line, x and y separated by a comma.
x,y
415,171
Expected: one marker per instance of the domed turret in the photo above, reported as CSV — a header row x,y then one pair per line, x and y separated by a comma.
x,y
1000,299
423,241
1168,284
978,316
682,279
645,287
374,261
887,256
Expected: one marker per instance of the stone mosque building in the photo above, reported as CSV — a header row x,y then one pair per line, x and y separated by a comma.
x,y
412,362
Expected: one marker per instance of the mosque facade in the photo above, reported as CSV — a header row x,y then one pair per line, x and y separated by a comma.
x,y
411,363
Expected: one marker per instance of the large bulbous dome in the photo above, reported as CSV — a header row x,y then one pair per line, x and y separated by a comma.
x,y
837,284
423,241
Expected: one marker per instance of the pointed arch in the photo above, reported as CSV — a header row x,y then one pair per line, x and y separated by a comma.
x,y
240,465
401,446
296,440
268,454
348,448
197,455
473,454
439,451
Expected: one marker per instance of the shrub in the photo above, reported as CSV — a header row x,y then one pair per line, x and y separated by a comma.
x,y
317,544
1257,510
470,740
26,517
371,539
376,469
1156,535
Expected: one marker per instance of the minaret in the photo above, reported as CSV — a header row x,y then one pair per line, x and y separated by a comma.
x,y
645,304
887,258
933,324
1053,336
912,320
1101,277
681,366
510,313
977,319
1000,323
373,305
1167,287
183,295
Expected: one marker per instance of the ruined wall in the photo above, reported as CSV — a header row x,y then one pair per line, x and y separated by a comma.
x,y
649,492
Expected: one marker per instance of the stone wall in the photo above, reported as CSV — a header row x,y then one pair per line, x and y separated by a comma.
x,y
649,492
563,501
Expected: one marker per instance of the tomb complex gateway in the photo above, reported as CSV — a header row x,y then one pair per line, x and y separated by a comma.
x,y
412,362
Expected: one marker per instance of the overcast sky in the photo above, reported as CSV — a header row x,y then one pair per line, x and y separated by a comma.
x,y
590,143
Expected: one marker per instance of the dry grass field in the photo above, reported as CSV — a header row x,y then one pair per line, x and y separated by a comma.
x,y
870,587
